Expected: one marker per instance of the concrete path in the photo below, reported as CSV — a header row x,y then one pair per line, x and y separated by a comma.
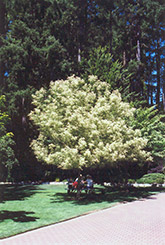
x,y
140,222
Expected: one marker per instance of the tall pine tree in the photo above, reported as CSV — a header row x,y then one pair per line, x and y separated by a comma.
x,y
2,35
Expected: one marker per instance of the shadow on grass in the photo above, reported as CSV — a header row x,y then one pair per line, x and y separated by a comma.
x,y
109,195
16,192
19,216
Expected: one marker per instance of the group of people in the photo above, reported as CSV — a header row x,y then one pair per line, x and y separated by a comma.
x,y
81,183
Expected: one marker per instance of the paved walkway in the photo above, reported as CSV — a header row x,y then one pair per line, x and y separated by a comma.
x,y
140,222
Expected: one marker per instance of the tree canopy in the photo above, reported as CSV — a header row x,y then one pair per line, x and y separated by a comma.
x,y
81,124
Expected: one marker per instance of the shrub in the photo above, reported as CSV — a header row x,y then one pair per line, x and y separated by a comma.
x,y
7,144
153,178
131,181
57,180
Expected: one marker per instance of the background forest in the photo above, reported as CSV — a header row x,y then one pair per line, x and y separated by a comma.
x,y
121,42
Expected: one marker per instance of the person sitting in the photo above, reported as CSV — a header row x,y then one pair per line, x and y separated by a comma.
x,y
70,185
89,183
79,185
75,183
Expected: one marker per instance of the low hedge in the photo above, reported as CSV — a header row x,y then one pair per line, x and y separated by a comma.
x,y
152,178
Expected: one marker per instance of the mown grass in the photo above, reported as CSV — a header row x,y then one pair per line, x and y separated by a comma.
x,y
28,207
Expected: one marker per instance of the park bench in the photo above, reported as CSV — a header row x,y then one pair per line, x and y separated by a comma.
x,y
72,188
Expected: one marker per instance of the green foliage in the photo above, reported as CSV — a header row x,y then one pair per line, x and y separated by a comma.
x,y
7,156
131,181
153,178
57,180
153,128
101,64
82,124
3,116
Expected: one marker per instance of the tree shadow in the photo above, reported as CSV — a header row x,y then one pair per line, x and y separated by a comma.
x,y
18,216
16,192
107,194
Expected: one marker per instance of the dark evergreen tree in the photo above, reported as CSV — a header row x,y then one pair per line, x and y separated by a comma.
x,y
33,55
2,35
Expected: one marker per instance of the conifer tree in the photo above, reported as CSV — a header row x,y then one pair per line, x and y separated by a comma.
x,y
33,55
2,35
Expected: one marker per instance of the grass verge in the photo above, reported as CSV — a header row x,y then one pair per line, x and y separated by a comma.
x,y
28,207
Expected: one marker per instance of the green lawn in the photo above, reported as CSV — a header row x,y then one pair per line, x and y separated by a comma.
x,y
28,207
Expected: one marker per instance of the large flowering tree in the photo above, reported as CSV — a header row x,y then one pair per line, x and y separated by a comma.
x,y
82,124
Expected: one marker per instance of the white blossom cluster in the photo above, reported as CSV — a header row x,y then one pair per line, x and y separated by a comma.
x,y
82,124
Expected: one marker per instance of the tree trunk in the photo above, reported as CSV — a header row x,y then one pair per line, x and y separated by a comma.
x,y
2,33
139,87
138,57
82,5
124,58
151,94
158,74
79,54
110,36
164,96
